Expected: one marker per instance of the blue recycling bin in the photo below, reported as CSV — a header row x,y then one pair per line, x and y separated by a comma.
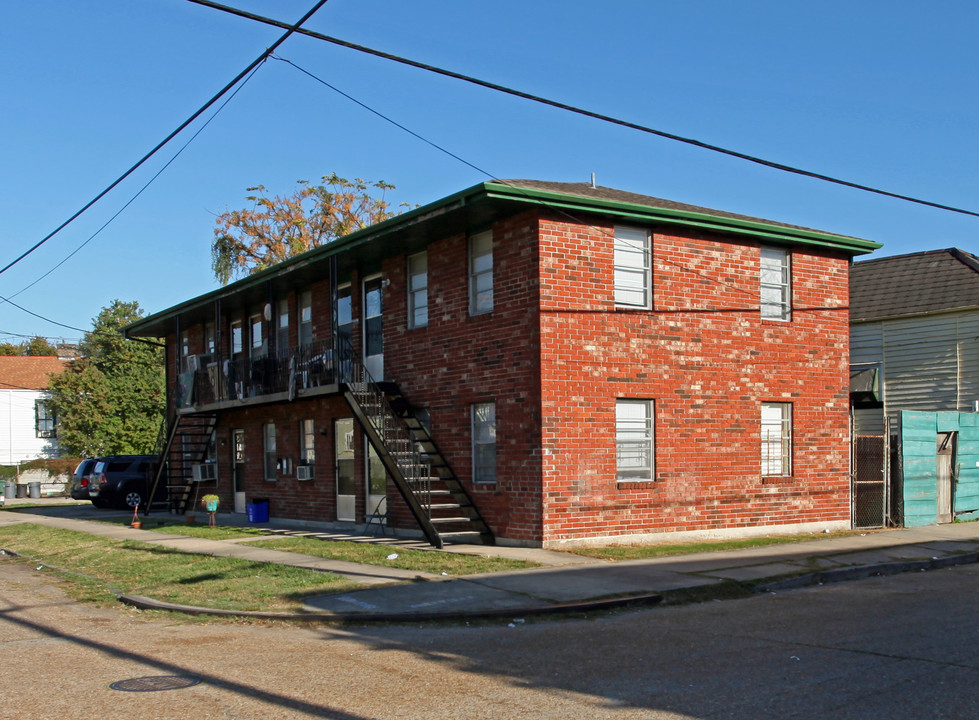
x,y
258,510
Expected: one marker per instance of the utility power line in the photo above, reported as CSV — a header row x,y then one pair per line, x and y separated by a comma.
x,y
587,113
255,63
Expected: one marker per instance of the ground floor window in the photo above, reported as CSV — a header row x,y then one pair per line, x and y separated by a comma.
x,y
484,442
776,438
634,440
270,451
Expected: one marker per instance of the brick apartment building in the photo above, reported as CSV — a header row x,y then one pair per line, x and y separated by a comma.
x,y
539,363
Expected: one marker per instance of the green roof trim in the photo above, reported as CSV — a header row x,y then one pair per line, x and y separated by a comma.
x,y
638,209
691,218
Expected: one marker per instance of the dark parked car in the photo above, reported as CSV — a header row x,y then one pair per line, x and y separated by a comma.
x,y
124,481
81,479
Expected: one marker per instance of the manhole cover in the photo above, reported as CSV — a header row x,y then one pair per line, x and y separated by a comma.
x,y
155,683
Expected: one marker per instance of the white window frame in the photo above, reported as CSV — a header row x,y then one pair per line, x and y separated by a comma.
x,y
270,452
307,442
418,290
484,443
282,329
44,419
775,283
481,273
635,440
257,346
776,439
237,338
632,267
306,318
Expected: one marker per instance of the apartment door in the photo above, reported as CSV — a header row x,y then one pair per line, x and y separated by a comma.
x,y
946,476
238,468
373,328
343,442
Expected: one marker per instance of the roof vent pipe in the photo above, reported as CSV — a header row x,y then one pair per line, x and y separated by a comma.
x,y
593,179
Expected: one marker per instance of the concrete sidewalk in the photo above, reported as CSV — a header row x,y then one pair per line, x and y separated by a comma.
x,y
565,581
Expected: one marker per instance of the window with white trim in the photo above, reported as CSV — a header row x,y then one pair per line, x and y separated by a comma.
x,y
237,338
418,290
256,337
43,419
481,273
776,439
282,329
632,260
634,440
776,284
306,318
484,442
271,460
307,439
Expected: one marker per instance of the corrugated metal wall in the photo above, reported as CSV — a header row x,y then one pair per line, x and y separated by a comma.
x,y
927,363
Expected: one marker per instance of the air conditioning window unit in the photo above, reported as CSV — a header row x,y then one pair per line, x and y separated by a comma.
x,y
304,472
205,471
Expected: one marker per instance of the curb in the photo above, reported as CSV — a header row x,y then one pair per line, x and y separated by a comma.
x,y
145,603
865,571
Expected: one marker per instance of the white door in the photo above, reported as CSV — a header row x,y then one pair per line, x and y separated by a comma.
x,y
238,465
373,328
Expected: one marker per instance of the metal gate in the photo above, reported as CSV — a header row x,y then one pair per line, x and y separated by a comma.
x,y
870,491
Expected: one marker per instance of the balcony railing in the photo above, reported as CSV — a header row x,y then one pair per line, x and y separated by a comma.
x,y
216,379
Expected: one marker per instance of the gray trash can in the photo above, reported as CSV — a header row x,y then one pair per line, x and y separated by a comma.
x,y
11,492
35,490
21,490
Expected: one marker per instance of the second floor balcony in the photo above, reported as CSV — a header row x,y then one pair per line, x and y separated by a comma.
x,y
213,381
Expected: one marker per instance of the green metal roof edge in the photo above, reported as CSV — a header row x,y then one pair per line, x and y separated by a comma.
x,y
347,242
516,193
637,211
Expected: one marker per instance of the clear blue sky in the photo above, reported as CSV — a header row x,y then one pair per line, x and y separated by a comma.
x,y
878,92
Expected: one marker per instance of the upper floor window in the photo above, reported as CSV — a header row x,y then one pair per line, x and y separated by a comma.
x,y
271,456
776,284
418,290
634,440
210,343
632,260
481,273
282,329
776,438
345,313
306,318
257,346
237,338
43,419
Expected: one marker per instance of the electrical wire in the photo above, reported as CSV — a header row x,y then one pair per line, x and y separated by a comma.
x,y
251,66
588,113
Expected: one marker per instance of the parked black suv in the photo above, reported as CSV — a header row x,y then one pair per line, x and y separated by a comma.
x,y
124,481
81,479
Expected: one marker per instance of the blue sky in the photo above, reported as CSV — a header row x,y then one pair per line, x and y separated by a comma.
x,y
878,93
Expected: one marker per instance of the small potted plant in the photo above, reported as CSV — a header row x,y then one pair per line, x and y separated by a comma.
x,y
136,522
210,503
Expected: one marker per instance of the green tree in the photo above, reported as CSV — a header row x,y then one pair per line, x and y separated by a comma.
x,y
39,346
277,227
35,346
112,400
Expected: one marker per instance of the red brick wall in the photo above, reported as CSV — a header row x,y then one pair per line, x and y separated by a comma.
x,y
708,361
460,359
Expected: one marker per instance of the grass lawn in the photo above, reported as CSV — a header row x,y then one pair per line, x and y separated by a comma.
x,y
97,566
430,561
638,552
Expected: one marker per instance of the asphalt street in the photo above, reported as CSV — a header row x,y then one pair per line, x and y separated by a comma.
x,y
896,647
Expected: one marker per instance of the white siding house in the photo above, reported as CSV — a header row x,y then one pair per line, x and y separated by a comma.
x,y
27,428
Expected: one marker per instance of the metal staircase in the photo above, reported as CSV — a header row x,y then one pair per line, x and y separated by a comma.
x,y
182,444
436,498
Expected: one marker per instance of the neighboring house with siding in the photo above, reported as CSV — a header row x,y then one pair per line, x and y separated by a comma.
x,y
914,326
27,426
539,363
